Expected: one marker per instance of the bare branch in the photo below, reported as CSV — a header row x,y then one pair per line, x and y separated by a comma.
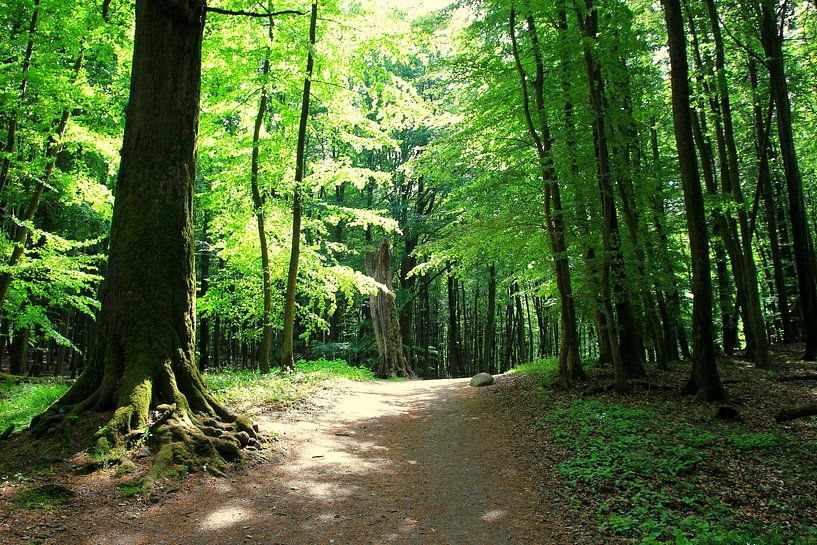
x,y
254,13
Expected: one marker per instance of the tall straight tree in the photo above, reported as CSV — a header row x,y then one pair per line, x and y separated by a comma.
x,y
143,355
258,205
570,366
705,382
772,39
287,355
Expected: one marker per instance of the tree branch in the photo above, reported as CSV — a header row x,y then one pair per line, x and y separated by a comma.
x,y
254,13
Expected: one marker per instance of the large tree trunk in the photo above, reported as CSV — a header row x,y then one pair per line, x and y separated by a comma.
x,y
385,321
705,381
143,355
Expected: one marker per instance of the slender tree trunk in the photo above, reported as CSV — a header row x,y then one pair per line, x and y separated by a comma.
x,y
764,182
705,381
258,206
204,323
287,356
756,337
19,352
11,135
455,363
570,366
490,323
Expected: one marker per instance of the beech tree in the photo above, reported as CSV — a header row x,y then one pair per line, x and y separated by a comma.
x,y
143,357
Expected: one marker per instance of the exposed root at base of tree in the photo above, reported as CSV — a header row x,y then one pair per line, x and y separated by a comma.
x,y
193,431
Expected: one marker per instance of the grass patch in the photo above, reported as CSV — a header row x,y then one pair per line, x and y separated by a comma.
x,y
247,390
647,472
545,371
19,403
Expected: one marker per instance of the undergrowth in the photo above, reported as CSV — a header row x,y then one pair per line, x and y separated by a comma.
x,y
19,403
649,474
249,390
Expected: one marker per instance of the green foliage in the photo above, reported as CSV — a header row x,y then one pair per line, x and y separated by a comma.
x,y
251,390
19,403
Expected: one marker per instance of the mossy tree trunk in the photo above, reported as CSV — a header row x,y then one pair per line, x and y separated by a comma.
x,y
141,365
385,320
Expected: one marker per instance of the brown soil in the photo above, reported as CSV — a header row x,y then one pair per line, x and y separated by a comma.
x,y
418,462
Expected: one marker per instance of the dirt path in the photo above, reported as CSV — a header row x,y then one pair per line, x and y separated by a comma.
x,y
420,462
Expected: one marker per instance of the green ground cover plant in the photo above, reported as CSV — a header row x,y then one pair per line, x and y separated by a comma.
x,y
649,473
250,390
19,403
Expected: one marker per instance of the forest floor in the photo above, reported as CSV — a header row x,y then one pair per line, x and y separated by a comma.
x,y
414,462
438,462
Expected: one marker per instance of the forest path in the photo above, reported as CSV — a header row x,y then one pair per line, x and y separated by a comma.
x,y
416,462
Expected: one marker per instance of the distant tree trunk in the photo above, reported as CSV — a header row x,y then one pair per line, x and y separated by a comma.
x,y
143,357
772,40
705,381
520,326
287,356
455,363
19,352
385,320
426,339
204,323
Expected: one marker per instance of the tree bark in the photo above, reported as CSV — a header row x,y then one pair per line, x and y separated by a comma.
x,y
755,330
490,323
570,367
